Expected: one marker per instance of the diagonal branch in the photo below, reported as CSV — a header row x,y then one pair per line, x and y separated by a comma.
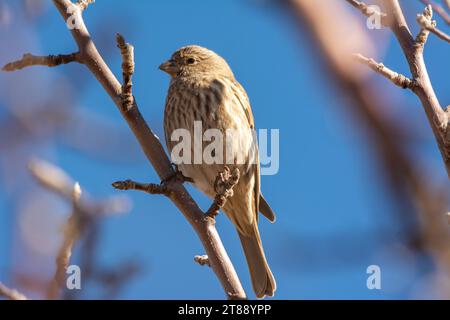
x,y
11,294
412,48
150,188
74,227
29,60
150,144
83,214
396,78
413,51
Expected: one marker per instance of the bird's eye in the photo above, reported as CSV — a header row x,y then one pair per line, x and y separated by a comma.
x,y
190,61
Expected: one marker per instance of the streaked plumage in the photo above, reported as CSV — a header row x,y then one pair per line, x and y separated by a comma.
x,y
203,88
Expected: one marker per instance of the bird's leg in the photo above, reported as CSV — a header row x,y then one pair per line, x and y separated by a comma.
x,y
177,175
223,186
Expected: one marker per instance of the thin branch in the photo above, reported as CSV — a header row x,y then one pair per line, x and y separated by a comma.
x,y
11,294
440,10
73,229
426,24
29,60
413,51
127,51
150,144
150,188
83,214
396,78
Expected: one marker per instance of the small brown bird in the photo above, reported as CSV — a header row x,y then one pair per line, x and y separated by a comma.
x,y
203,88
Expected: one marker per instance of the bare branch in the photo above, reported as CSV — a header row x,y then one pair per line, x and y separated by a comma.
x,y
29,60
11,294
427,25
73,229
439,9
127,51
150,188
413,51
396,78
83,214
150,144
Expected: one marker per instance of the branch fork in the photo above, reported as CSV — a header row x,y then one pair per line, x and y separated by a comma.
x,y
428,25
419,82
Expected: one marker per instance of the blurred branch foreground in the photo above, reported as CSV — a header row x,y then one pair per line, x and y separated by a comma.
x,y
203,224
338,53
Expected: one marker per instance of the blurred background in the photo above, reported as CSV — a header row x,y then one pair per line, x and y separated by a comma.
x,y
361,180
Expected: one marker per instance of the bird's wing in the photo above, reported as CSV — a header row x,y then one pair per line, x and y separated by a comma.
x,y
245,103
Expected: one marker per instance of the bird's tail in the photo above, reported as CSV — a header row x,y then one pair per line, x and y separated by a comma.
x,y
262,278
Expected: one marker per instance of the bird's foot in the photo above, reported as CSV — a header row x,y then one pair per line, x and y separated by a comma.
x,y
178,176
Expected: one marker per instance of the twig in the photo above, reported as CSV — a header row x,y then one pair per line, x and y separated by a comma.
x,y
74,227
127,51
224,184
439,9
83,214
150,188
396,78
150,144
11,294
424,20
29,60
202,260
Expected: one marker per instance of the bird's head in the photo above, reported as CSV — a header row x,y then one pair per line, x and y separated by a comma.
x,y
195,61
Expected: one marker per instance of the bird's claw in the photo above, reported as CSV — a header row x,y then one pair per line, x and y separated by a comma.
x,y
177,175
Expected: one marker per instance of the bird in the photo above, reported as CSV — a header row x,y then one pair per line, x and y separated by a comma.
x,y
203,89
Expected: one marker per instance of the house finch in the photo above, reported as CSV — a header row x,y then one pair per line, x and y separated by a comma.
x,y
203,90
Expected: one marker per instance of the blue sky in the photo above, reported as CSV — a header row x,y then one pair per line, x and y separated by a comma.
x,y
335,217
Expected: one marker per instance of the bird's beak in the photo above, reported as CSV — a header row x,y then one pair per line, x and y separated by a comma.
x,y
170,67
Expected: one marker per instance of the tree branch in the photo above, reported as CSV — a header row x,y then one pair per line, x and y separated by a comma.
x,y
29,60
83,213
412,48
150,188
425,22
150,144
127,51
396,78
11,294
439,9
